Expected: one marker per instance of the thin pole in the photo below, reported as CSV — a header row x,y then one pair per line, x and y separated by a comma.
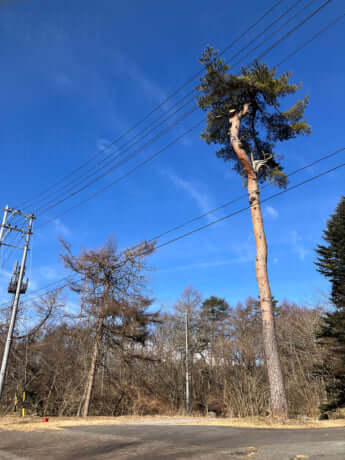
x,y
186,364
14,309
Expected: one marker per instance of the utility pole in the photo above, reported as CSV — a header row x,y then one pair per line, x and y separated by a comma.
x,y
187,364
16,285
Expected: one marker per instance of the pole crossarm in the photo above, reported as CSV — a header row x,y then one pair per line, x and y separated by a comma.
x,y
19,213
17,229
12,245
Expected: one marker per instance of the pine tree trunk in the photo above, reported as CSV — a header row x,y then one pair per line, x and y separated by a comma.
x,y
92,371
275,376
273,365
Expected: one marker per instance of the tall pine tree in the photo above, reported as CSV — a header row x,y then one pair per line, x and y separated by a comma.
x,y
245,120
331,264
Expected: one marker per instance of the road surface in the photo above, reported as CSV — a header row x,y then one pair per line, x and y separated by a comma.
x,y
173,442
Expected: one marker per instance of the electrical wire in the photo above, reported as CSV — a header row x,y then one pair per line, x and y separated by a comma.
x,y
221,219
54,203
263,200
311,15
110,158
160,105
240,197
314,37
172,143
132,155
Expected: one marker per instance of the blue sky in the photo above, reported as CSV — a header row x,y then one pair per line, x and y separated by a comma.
x,y
76,75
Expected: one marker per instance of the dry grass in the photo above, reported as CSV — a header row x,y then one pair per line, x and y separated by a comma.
x,y
56,423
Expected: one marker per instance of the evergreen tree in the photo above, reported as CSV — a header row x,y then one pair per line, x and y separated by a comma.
x,y
213,315
215,309
244,118
331,264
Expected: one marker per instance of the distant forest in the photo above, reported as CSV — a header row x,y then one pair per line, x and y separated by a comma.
x,y
142,371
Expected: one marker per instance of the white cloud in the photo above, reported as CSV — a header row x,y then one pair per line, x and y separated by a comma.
x,y
246,248
33,286
201,198
105,150
103,144
61,228
271,212
63,80
48,273
298,247
71,307
127,66
5,274
208,264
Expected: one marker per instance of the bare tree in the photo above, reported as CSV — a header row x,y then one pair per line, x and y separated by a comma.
x,y
112,286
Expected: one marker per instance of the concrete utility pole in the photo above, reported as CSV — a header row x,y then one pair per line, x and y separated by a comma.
x,y
187,364
16,285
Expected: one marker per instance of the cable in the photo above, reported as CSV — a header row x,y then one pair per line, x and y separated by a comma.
x,y
298,49
113,158
295,28
306,43
146,133
133,154
241,197
138,150
221,219
168,98
131,171
290,188
277,30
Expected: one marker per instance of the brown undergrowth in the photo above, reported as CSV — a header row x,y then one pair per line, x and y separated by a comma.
x,y
56,423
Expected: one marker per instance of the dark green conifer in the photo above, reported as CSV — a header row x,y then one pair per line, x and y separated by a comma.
x,y
215,309
263,126
331,264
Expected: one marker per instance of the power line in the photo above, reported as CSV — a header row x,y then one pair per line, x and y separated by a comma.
x,y
108,160
278,29
221,219
155,109
290,55
241,197
128,173
314,37
113,158
87,185
170,144
318,34
295,28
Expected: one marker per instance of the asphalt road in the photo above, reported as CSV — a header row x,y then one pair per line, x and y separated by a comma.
x,y
173,442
